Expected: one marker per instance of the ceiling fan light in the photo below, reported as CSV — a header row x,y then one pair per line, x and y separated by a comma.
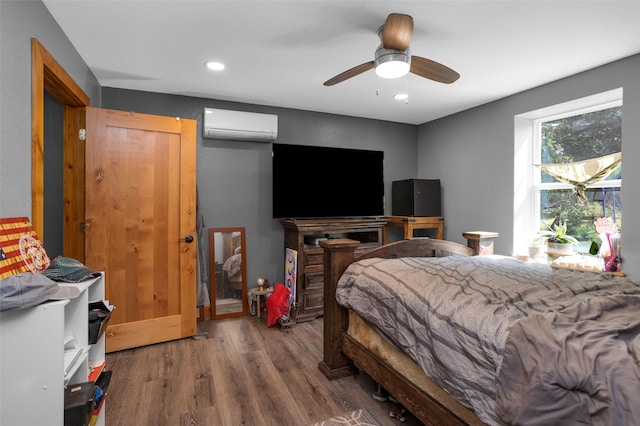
x,y
392,69
392,63
215,66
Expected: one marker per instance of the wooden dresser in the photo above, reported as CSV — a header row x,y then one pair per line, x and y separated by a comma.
x,y
303,236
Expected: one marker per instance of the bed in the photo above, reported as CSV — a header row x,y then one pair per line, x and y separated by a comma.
x,y
232,267
483,339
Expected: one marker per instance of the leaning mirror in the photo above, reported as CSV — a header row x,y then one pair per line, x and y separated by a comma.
x,y
228,271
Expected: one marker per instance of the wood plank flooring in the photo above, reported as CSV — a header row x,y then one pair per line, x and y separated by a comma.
x,y
237,371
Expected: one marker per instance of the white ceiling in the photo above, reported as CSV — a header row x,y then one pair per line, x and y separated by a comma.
x,y
280,52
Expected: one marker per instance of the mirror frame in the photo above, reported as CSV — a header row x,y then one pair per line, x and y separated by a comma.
x,y
212,272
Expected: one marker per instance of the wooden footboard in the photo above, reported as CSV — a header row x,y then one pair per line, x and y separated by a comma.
x,y
433,406
342,354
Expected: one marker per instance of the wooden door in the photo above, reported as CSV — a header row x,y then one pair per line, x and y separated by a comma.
x,y
140,215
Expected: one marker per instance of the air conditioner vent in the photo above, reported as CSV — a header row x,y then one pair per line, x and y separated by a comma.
x,y
239,125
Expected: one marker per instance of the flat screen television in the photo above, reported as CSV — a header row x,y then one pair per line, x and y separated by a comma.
x,y
326,182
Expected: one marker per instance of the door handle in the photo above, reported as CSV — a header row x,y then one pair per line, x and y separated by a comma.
x,y
187,239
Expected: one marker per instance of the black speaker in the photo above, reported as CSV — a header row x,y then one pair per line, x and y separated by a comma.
x,y
416,197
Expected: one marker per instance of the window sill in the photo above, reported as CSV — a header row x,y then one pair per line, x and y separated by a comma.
x,y
577,262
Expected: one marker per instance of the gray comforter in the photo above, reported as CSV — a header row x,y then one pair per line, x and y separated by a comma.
x,y
519,343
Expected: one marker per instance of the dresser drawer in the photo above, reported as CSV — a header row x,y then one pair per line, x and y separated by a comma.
x,y
313,257
313,300
314,280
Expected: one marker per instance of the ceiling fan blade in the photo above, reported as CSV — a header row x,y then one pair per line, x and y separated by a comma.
x,y
432,70
397,31
349,73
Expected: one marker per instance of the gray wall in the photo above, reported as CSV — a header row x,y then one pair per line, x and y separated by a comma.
x,y
53,238
234,178
472,153
20,21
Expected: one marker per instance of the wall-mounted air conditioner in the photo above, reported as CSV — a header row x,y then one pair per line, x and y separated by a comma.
x,y
239,125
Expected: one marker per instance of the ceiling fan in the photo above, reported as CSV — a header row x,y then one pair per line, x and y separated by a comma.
x,y
393,58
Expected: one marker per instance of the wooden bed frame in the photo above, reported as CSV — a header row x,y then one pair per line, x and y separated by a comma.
x,y
343,356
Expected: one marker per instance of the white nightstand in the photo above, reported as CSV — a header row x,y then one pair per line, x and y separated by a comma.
x,y
254,296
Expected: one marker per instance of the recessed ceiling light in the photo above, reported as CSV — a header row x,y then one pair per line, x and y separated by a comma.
x,y
401,96
215,66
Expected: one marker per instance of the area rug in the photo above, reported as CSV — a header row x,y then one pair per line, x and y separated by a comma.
x,y
359,417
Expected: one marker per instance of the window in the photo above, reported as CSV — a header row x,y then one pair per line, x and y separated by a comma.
x,y
573,132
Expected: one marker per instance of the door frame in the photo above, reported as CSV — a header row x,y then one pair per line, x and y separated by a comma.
x,y
48,75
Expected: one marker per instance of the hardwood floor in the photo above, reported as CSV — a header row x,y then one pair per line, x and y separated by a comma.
x,y
237,371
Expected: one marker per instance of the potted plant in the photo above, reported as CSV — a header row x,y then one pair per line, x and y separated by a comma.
x,y
535,249
558,242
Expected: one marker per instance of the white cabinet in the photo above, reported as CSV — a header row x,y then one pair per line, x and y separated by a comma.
x,y
42,350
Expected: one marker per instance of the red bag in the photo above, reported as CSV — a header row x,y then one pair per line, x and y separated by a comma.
x,y
277,304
